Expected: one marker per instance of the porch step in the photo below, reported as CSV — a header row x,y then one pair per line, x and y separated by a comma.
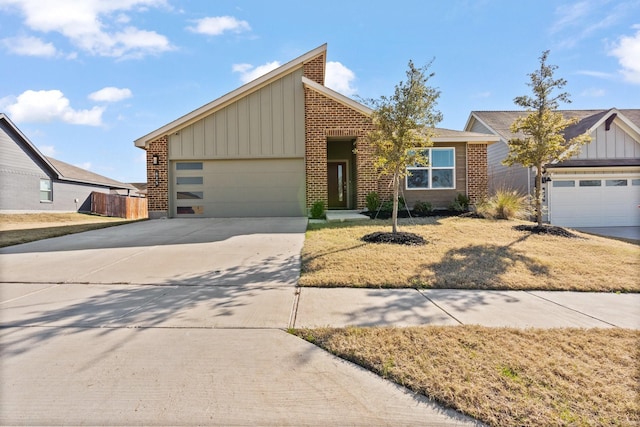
x,y
341,216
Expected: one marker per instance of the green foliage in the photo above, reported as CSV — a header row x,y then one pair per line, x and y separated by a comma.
x,y
403,122
542,129
317,210
505,204
460,203
373,201
387,206
422,208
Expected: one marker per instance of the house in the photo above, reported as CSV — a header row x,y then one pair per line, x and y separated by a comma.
x,y
598,187
284,141
34,182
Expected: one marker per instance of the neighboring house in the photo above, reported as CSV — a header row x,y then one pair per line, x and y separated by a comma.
x,y
598,187
31,181
284,141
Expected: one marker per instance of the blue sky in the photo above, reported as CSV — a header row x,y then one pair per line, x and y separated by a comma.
x,y
84,78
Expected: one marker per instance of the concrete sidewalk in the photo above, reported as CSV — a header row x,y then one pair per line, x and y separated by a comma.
x,y
339,307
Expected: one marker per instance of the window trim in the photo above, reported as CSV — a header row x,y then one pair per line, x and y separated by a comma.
x,y
429,168
49,192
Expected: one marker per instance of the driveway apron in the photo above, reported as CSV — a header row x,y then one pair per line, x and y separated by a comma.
x,y
176,322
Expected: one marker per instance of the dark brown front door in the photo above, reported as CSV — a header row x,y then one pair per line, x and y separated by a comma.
x,y
337,184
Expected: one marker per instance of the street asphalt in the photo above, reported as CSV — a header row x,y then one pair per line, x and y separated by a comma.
x,y
184,322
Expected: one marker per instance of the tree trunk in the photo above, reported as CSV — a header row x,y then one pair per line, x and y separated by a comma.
x,y
394,214
538,195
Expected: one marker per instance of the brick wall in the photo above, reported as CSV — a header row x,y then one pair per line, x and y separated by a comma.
x,y
158,196
477,172
314,69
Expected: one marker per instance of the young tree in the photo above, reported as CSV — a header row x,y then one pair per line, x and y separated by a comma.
x,y
404,123
541,139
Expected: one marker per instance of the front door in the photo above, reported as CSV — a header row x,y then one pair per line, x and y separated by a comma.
x,y
337,184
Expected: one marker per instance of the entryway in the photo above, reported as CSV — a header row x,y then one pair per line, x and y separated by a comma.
x,y
340,173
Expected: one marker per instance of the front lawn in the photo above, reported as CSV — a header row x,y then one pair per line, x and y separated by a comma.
x,y
467,253
505,377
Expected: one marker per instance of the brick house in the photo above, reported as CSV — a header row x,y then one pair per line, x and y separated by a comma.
x,y
283,141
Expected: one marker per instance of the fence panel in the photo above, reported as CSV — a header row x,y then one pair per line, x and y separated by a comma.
x,y
118,206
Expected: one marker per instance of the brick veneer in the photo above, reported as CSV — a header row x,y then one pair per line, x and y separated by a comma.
x,y
477,172
158,197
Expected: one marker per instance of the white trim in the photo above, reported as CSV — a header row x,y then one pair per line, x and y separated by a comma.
x,y
430,168
338,97
221,102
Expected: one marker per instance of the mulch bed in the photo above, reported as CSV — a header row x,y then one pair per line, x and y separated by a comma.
x,y
550,230
399,238
402,213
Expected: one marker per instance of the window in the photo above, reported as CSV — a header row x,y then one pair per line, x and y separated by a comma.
x,y
635,182
590,183
564,183
190,210
438,173
189,166
190,195
189,180
616,183
46,193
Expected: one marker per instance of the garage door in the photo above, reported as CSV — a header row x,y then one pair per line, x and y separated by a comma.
x,y
238,188
594,202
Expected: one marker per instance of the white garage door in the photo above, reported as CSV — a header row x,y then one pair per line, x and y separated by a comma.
x,y
238,188
594,202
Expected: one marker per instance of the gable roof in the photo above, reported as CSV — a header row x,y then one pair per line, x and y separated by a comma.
x,y
588,120
60,170
230,97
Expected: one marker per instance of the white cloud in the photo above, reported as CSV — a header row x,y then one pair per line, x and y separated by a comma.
x,y
216,25
598,74
248,72
94,26
110,94
85,165
627,50
51,105
339,78
29,46
47,150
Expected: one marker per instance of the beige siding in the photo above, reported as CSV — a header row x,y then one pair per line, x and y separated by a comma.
x,y
612,144
268,123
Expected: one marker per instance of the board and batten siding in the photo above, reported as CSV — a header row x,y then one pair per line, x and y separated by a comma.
x,y
268,123
614,143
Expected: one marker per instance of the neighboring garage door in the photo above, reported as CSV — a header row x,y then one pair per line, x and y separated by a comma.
x,y
238,188
594,202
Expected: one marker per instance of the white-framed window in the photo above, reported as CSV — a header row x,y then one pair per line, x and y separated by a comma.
x,y
438,173
46,190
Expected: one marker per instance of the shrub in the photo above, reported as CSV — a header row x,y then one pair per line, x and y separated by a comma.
x,y
505,204
388,205
373,201
317,210
460,203
422,208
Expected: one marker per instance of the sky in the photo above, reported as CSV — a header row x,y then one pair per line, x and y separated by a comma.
x,y
82,79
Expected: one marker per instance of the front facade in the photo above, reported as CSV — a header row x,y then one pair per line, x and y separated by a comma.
x,y
598,187
34,182
284,141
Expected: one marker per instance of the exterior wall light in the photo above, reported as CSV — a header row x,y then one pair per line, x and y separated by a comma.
x,y
156,176
155,160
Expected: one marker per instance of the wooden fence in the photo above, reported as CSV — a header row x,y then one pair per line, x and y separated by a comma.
x,y
119,206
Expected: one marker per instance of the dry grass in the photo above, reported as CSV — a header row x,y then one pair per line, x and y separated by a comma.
x,y
505,377
467,253
23,228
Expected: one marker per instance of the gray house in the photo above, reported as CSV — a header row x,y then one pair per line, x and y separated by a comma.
x,y
598,187
31,181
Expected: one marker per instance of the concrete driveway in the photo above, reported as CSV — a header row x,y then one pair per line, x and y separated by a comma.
x,y
176,322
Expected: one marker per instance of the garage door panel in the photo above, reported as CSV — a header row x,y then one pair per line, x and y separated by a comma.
x,y
597,206
246,188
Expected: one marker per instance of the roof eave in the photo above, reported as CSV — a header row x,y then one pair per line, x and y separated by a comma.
x,y
226,99
338,97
